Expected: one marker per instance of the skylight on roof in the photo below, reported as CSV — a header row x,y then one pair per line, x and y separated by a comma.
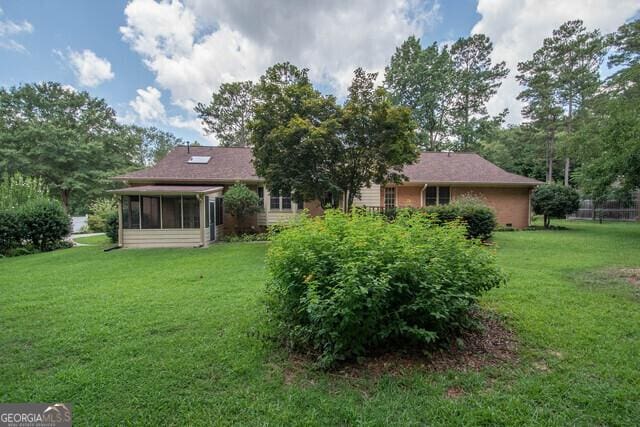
x,y
202,160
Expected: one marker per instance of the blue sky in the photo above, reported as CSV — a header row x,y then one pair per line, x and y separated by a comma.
x,y
152,62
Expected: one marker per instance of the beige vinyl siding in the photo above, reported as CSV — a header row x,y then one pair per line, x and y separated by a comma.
x,y
368,196
261,218
277,217
165,238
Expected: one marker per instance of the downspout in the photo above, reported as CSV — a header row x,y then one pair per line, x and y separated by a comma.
x,y
422,195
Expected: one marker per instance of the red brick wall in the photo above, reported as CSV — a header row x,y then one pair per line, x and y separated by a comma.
x,y
510,203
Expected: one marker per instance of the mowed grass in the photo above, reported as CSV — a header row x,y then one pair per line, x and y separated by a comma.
x,y
171,337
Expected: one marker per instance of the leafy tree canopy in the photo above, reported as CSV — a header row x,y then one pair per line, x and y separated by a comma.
x,y
71,141
447,90
306,143
228,113
554,201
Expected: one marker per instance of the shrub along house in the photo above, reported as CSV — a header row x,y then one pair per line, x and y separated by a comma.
x,y
180,200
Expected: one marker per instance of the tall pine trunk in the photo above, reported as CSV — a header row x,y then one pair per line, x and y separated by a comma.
x,y
550,144
567,161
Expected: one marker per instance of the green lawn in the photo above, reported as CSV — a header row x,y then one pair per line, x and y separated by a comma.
x,y
161,337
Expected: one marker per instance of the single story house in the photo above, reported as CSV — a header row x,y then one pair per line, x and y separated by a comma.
x,y
180,200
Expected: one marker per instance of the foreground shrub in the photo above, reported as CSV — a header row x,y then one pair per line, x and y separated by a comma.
x,y
45,223
111,226
480,219
11,230
348,284
554,201
99,212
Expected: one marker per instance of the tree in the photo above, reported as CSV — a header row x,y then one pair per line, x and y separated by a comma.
x,y
376,137
241,202
424,80
294,135
576,58
477,80
517,149
151,144
608,144
67,138
542,107
303,142
228,113
554,201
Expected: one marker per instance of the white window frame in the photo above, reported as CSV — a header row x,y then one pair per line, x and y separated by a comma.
x,y
437,187
395,197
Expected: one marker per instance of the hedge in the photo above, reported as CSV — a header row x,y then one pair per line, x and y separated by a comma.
x,y
39,224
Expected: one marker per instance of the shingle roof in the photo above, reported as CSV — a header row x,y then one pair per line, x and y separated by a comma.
x,y
226,164
234,164
467,168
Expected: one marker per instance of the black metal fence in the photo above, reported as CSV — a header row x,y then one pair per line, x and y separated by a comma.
x,y
611,210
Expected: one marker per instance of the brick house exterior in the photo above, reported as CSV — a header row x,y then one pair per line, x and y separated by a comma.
x,y
194,179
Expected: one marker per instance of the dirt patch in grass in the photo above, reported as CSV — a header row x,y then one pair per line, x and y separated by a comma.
x,y
631,275
454,392
491,344
622,280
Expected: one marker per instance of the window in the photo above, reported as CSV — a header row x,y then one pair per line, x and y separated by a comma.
x,y
389,197
219,210
171,212
274,202
150,208
437,196
190,212
280,201
443,195
131,212
286,201
261,196
431,196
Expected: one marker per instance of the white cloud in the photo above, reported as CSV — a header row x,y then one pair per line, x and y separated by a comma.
x,y
147,108
193,47
89,69
518,27
9,29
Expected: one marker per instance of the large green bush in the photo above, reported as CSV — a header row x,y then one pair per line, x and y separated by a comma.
x,y
11,230
479,219
99,212
344,285
554,201
45,223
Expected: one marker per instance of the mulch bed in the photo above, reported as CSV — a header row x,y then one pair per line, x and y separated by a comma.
x,y
492,344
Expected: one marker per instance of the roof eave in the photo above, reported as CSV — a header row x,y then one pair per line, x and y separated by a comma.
x,y
477,184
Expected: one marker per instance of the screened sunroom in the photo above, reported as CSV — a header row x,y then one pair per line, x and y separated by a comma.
x,y
169,216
